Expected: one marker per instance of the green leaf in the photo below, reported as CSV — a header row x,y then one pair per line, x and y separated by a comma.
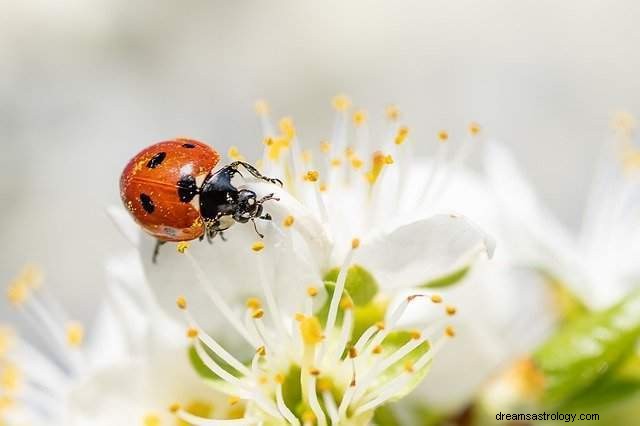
x,y
360,284
587,349
448,280
623,384
408,412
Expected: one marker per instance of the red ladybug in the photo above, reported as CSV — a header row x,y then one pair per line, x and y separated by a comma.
x,y
171,190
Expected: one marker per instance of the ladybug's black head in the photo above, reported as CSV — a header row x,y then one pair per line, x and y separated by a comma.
x,y
247,206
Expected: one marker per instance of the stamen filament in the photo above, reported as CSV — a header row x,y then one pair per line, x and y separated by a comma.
x,y
218,300
211,343
201,421
282,407
339,290
314,403
331,406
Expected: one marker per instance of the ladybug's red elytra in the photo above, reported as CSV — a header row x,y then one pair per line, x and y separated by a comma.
x,y
172,191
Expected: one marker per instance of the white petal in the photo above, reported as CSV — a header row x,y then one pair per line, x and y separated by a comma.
x,y
125,224
424,250
536,237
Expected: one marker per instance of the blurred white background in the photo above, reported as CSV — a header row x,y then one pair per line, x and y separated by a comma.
x,y
86,84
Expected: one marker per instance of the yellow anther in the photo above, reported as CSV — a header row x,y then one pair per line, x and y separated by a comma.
x,y
324,384
408,367
233,400
311,330
380,325
287,128
451,310
268,141
262,351
377,350
474,128
314,371
312,291
199,408
279,378
306,156
181,302
325,147
263,379
336,162
182,246
436,298
341,102
192,333
624,123
359,118
299,316
355,243
257,314
257,246
6,402
311,176
17,293
174,408
10,378
388,159
377,163
356,162
346,302
254,303
275,147
353,352
415,334
234,154
288,221
401,136
75,334
443,136
6,339
450,331
262,107
151,420
392,112
323,187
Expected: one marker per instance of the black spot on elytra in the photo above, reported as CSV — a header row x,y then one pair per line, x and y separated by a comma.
x,y
147,203
187,188
156,160
188,145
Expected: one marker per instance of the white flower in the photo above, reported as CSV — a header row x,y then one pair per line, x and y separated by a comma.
x,y
128,369
600,263
359,209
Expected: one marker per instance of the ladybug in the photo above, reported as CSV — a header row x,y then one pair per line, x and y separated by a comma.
x,y
172,191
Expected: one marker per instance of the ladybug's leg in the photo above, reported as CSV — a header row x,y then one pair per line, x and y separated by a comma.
x,y
266,216
156,250
222,237
256,228
254,172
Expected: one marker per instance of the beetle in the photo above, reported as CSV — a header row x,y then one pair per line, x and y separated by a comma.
x,y
174,193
